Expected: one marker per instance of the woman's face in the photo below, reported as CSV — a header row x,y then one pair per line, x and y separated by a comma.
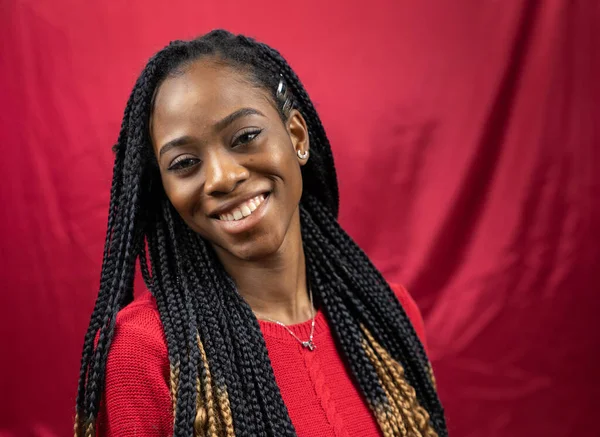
x,y
228,163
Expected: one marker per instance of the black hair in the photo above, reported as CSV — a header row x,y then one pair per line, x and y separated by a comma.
x,y
222,382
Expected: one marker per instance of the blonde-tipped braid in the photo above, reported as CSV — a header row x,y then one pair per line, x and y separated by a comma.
x,y
174,385
225,409
208,427
388,412
76,426
432,376
83,428
201,416
407,397
403,415
90,430
213,418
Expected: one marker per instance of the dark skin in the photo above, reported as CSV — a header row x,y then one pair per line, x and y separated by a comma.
x,y
219,141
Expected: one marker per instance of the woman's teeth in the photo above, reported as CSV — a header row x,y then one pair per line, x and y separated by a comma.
x,y
243,210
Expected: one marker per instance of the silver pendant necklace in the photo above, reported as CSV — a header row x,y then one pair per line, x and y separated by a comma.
x,y
309,344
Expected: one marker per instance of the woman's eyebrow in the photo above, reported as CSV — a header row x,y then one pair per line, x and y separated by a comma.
x,y
243,112
219,125
181,141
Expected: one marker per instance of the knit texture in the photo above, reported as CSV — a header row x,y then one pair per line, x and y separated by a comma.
x,y
320,394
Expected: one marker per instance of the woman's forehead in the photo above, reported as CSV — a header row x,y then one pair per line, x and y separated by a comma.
x,y
206,90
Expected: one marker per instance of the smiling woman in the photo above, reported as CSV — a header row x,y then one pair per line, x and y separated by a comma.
x,y
221,142
263,317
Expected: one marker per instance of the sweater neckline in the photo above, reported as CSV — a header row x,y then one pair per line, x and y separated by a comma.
x,y
302,330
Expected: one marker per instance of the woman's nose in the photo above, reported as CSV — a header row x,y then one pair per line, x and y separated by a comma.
x,y
223,173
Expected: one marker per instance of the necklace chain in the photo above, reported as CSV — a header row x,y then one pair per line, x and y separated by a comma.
x,y
306,344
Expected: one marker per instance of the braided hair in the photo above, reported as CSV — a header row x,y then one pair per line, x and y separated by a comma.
x,y
221,379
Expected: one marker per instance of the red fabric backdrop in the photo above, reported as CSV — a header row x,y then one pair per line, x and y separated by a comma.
x,y
466,137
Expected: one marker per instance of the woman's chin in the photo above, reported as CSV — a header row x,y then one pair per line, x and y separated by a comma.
x,y
253,249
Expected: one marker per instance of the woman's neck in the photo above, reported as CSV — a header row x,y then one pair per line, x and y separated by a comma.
x,y
275,287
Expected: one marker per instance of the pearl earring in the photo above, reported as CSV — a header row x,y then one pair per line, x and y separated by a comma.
x,y
302,155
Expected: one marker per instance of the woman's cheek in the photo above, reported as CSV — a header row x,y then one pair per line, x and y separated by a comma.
x,y
181,196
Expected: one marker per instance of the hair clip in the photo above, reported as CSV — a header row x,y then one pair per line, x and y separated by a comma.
x,y
281,88
287,106
284,97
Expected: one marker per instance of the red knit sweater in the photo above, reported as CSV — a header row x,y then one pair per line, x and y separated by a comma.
x,y
316,387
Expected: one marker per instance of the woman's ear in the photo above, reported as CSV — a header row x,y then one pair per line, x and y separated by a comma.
x,y
298,131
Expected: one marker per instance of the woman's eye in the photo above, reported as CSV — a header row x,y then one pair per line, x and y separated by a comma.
x,y
183,163
246,137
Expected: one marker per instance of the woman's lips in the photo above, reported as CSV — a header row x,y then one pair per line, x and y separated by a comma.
x,y
243,210
235,226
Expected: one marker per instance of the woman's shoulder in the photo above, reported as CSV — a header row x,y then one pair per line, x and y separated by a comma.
x,y
138,330
406,300
411,309
136,397
142,309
